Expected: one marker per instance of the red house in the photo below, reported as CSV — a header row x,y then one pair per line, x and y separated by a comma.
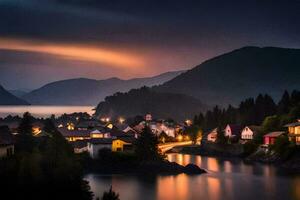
x,y
270,138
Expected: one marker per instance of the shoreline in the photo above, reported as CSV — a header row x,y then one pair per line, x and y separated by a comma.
x,y
146,168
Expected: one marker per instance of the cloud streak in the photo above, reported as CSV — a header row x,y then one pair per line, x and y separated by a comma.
x,y
78,52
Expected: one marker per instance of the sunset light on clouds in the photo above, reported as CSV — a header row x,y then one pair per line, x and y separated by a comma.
x,y
102,39
76,52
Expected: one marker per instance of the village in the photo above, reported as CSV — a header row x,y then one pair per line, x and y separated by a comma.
x,y
89,135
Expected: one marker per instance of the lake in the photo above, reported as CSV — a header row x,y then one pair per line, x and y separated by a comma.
x,y
226,179
43,111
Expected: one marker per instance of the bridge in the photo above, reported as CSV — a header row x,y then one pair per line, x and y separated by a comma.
x,y
167,146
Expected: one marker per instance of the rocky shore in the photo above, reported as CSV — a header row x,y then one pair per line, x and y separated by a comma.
x,y
150,168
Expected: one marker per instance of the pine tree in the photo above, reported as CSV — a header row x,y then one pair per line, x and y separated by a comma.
x,y
146,147
221,138
284,104
25,139
110,195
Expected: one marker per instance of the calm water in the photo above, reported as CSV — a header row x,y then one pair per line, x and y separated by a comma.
x,y
43,111
225,180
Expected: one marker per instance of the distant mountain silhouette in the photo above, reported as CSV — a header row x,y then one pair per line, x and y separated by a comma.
x,y
84,91
18,93
234,76
223,80
7,98
144,100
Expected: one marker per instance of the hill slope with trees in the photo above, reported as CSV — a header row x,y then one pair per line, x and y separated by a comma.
x,y
242,73
144,100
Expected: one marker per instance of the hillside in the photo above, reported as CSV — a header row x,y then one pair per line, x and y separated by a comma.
x,y
7,98
88,91
226,79
245,72
144,100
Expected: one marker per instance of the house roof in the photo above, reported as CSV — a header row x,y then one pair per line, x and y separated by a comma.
x,y
211,131
74,133
274,134
292,124
255,129
99,130
88,124
127,139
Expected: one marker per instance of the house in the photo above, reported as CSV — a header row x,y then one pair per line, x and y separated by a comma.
x,y
114,144
130,131
294,132
232,130
102,133
270,138
212,135
249,132
122,144
37,128
94,145
6,142
158,127
74,135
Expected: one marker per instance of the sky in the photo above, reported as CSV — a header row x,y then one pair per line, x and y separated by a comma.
x,y
47,40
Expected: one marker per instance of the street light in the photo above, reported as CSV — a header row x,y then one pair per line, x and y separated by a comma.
x,y
121,120
179,138
188,122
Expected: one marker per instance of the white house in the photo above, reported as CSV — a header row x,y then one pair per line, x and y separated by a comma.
x,y
94,145
159,127
99,134
232,130
212,136
249,132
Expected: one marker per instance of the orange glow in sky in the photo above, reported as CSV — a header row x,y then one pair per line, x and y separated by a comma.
x,y
76,52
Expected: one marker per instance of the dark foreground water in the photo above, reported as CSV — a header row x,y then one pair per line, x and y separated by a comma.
x,y
224,180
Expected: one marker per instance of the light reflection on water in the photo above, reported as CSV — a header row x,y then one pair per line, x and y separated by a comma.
x,y
226,180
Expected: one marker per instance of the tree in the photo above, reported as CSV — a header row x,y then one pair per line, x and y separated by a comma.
x,y
163,137
221,138
25,139
110,195
194,132
284,104
146,147
271,123
247,112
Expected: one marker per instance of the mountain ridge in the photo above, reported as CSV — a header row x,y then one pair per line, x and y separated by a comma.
x,y
6,98
225,79
85,91
233,75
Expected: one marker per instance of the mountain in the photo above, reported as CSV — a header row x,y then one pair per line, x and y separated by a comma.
x,y
18,93
7,98
223,80
144,100
242,73
84,91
